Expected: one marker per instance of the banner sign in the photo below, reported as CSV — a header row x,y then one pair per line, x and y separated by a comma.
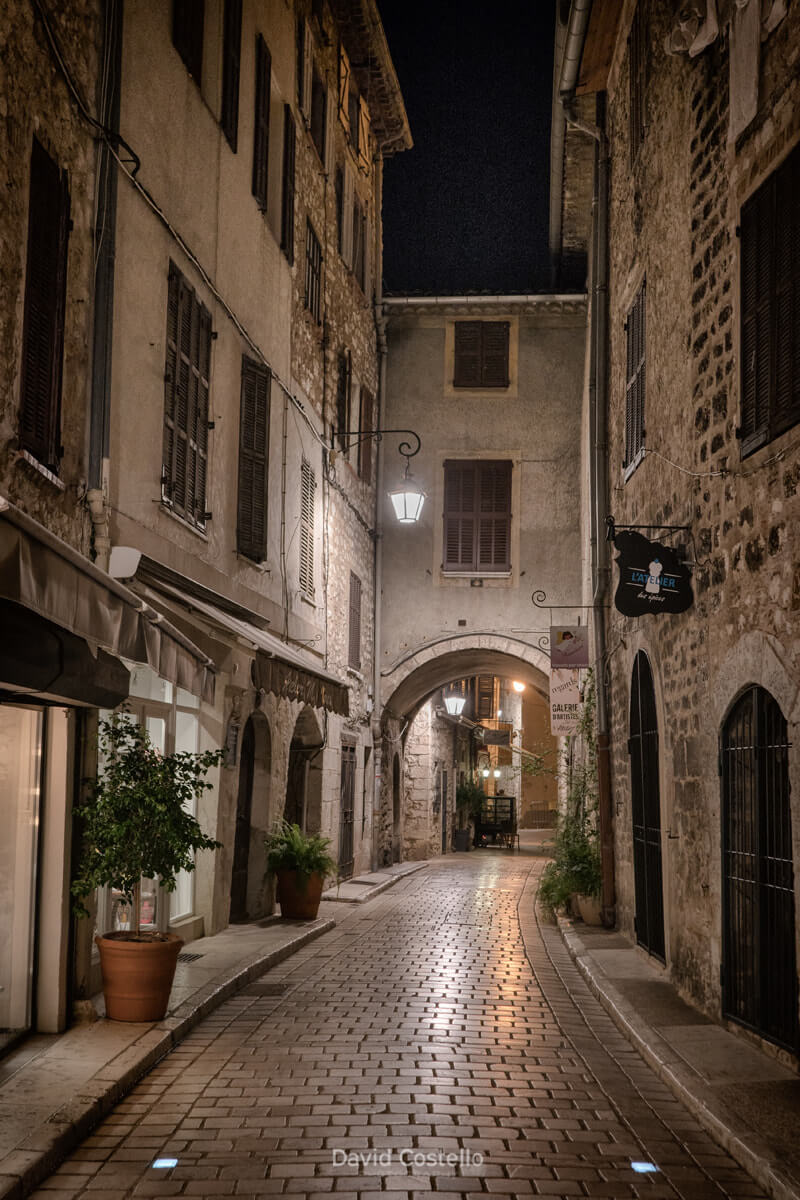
x,y
569,646
565,701
651,577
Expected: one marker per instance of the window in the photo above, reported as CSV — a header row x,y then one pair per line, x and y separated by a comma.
x,y
343,391
318,112
348,201
186,379
477,516
484,697
637,62
313,273
261,132
251,510
365,445
308,486
770,273
344,89
231,59
305,57
354,639
352,118
338,187
481,354
187,34
359,243
636,378
287,202
45,297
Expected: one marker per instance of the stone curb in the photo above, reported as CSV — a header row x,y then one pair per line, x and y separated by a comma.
x,y
23,1169
733,1134
331,896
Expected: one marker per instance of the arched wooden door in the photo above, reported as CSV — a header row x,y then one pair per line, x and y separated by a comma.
x,y
244,809
759,967
646,805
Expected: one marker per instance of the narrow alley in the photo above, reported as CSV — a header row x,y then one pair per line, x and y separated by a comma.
x,y
441,1019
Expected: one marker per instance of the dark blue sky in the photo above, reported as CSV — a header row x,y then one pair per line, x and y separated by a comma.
x,y
466,209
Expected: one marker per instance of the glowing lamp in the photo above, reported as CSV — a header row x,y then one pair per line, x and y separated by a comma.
x,y
455,705
517,686
408,500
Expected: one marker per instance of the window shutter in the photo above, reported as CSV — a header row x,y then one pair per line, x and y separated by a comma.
x,y
186,387
787,296
343,386
363,133
365,446
494,364
347,217
287,207
494,516
354,648
45,299
308,485
344,89
485,692
232,53
459,515
636,377
188,18
330,131
307,63
251,512
319,118
467,354
261,133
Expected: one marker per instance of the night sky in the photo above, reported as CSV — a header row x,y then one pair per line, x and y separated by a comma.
x,y
467,209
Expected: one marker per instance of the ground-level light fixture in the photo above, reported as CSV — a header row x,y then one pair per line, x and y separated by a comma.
x,y
517,685
408,499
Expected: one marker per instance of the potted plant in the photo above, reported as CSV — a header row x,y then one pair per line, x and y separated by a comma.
x,y
300,862
135,825
469,796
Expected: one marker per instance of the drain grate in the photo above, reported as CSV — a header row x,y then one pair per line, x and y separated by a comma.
x,y
184,958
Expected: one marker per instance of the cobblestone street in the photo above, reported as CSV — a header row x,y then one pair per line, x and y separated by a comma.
x,y
438,1020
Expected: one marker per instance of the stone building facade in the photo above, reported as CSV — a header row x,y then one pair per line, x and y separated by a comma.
x,y
703,411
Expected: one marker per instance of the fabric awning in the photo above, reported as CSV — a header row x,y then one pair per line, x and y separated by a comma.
x,y
45,574
280,668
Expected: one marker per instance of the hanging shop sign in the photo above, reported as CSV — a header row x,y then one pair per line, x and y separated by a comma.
x,y
652,579
569,646
565,701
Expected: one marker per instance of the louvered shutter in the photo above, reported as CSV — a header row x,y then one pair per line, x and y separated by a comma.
x,y
261,131
354,640
786,408
636,377
251,511
287,207
343,392
344,89
307,59
494,353
186,388
363,133
43,321
188,18
308,485
330,131
459,515
467,354
347,216
485,697
494,517
365,446
231,53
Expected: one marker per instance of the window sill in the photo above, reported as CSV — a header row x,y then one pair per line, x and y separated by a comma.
x,y
169,512
631,468
476,574
309,600
355,673
263,568
41,469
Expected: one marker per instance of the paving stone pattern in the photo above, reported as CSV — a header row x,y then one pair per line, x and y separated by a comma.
x,y
441,1019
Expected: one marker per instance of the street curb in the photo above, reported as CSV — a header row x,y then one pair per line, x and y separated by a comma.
x,y
739,1139
373,891
24,1168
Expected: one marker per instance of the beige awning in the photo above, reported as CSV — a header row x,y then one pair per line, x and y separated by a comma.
x,y
44,573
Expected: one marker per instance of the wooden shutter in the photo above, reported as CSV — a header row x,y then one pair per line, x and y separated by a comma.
x,y
485,697
467,354
636,376
287,206
188,18
319,118
45,298
330,131
261,132
347,216
185,452
365,446
306,62
308,485
494,516
344,89
494,353
459,515
231,62
354,640
363,133
343,388
786,407
251,511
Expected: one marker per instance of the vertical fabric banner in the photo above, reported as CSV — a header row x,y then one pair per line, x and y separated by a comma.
x,y
565,702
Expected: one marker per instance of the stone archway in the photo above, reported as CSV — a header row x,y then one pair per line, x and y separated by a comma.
x,y
252,814
303,800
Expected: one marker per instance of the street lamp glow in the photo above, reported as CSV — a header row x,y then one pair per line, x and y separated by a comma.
x,y
407,500
485,772
517,686
455,705
497,772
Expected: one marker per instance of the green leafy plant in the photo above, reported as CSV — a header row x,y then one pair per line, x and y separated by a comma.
x,y
289,849
135,821
469,797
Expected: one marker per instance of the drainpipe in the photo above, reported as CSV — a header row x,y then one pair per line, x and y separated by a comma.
x,y
102,333
380,328
598,418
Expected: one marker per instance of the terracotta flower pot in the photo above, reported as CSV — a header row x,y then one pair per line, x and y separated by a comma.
x,y
299,900
137,975
590,908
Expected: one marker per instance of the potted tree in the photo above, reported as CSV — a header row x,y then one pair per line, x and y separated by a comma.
x,y
300,863
135,824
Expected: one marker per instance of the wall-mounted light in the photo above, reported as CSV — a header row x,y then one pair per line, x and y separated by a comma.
x,y
485,772
517,685
497,772
408,499
455,705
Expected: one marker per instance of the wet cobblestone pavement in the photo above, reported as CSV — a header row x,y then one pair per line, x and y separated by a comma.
x,y
438,1040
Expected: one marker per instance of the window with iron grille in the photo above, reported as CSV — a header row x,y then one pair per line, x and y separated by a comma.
x,y
343,393
770,283
481,354
635,378
308,486
287,203
354,639
313,273
186,382
365,445
231,62
251,510
477,516
637,64
261,123
188,18
43,321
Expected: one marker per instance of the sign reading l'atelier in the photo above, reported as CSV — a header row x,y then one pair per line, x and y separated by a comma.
x,y
652,579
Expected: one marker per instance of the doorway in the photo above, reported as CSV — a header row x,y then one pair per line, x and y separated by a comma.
x,y
646,806
347,798
397,832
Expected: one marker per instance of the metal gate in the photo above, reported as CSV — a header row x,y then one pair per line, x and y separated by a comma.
x,y
646,804
759,972
347,810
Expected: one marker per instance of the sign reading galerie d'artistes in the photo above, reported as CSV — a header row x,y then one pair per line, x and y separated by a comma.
x,y
565,701
652,579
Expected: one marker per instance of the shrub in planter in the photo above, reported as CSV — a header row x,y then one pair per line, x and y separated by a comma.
x,y
135,824
300,862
